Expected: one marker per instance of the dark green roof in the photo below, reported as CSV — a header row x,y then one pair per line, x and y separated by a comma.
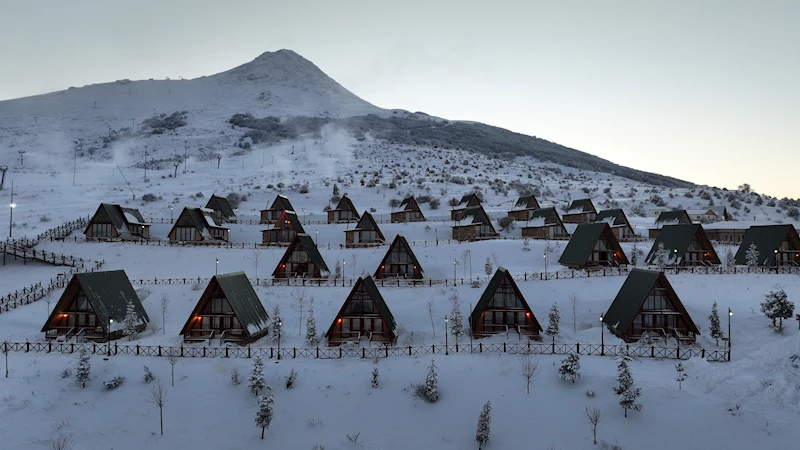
x,y
400,241
467,198
407,200
367,222
499,275
116,214
223,204
198,216
305,241
294,220
678,217
244,301
602,216
281,203
580,204
583,240
541,213
528,201
345,204
767,239
375,295
678,237
108,292
632,295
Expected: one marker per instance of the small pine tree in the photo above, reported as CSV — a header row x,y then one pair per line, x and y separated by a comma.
x,y
277,323
635,255
266,410
555,318
484,425
256,380
432,384
488,268
730,258
777,307
456,321
130,321
335,189
661,256
570,367
375,381
84,368
751,255
646,338
681,373
290,379
337,270
625,386
236,377
148,376
716,331
311,327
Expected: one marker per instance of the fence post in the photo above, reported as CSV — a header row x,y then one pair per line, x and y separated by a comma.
x,y
340,347
652,351
248,351
137,349
363,352
703,353
181,350
578,348
159,350
116,349
409,350
317,352
480,347
554,346
226,352
294,353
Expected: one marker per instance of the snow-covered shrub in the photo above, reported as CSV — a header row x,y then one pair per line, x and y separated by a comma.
x,y
114,382
236,377
290,379
148,376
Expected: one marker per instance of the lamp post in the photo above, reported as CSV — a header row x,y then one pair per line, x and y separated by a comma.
x,y
185,149
545,265
316,238
170,213
216,267
280,331
469,252
730,314
602,337
110,322
145,164
776,260
675,252
11,205
304,217
445,336
455,263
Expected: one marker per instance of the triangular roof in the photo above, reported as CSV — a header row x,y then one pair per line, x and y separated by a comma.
x,y
583,240
367,222
542,213
108,292
500,275
634,292
223,204
473,215
119,216
345,204
281,202
467,198
294,221
243,299
721,211
400,241
673,217
767,238
527,202
610,216
380,304
305,241
577,206
410,203
201,218
679,237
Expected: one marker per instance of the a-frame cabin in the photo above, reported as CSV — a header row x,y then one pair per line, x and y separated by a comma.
x,y
365,234
593,245
647,302
229,310
502,308
284,231
665,218
467,201
114,221
198,225
777,245
222,208
271,214
544,223
474,225
523,208
580,211
685,245
345,212
94,306
364,314
399,261
302,259
409,211
618,222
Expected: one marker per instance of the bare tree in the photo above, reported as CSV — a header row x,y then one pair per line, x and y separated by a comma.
x,y
172,357
256,259
528,368
593,416
164,311
62,442
301,299
354,258
430,313
48,299
573,301
464,259
158,396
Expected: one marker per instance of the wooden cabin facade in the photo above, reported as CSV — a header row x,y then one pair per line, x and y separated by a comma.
x,y
523,208
364,315
229,310
284,231
365,234
399,261
618,222
273,213
647,302
544,223
502,308
580,211
676,217
345,212
93,307
703,215
409,211
302,259
685,245
593,246
729,233
777,245
474,225
467,201
117,222
222,209
198,225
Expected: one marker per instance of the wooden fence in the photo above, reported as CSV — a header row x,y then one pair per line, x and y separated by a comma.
x,y
351,351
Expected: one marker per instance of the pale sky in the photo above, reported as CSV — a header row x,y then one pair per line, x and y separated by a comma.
x,y
706,91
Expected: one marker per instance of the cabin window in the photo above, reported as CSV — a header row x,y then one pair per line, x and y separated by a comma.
x,y
360,303
101,230
184,233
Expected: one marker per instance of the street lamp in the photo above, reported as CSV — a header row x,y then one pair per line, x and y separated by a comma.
x,y
455,263
216,267
11,205
776,260
280,322
316,238
602,337
304,217
545,265
445,336
170,213
469,252
730,314
110,321
675,252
